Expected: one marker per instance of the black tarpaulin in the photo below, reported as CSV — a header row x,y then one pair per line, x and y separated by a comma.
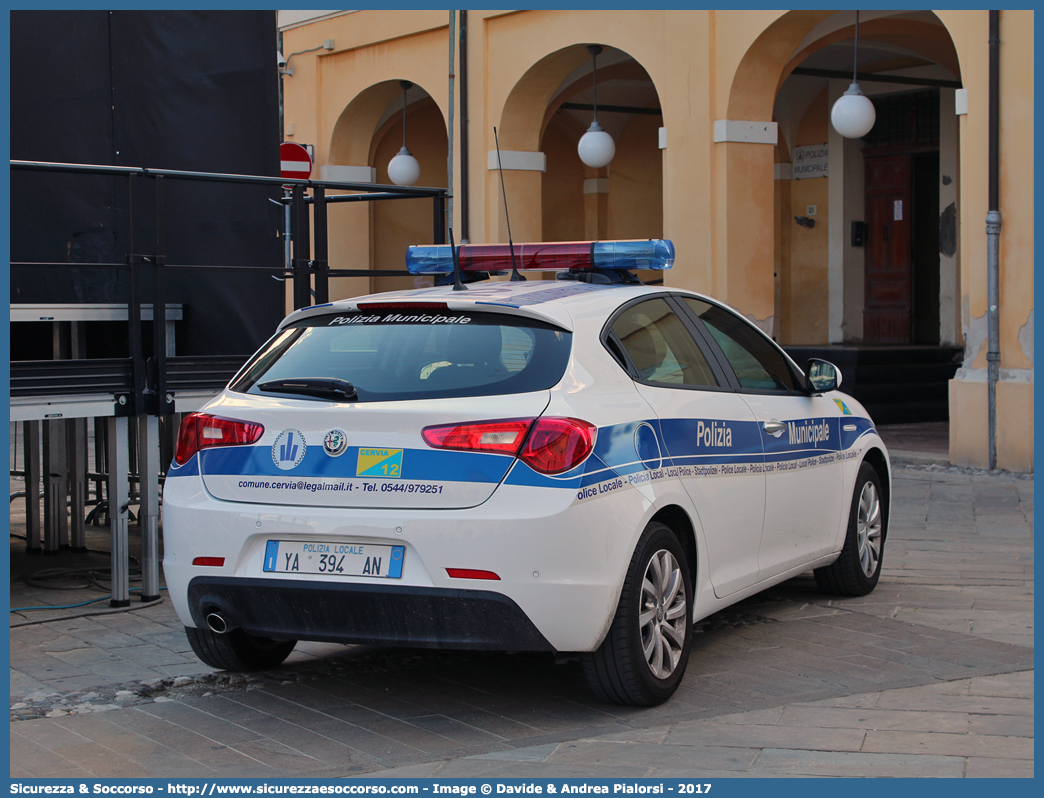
x,y
187,90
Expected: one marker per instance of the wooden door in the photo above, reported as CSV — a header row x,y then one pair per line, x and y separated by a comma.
x,y
888,296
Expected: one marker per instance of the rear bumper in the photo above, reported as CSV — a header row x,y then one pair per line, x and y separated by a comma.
x,y
420,617
560,563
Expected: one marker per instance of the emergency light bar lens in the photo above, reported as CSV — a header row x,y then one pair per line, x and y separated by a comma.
x,y
653,253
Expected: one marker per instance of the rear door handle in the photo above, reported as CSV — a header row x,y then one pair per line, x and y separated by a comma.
x,y
775,428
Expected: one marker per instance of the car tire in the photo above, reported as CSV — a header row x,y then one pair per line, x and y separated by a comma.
x,y
856,571
643,657
238,651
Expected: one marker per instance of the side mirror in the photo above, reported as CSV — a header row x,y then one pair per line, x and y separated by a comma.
x,y
822,376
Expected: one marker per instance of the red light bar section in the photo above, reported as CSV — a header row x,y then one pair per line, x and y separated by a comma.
x,y
470,573
215,561
553,256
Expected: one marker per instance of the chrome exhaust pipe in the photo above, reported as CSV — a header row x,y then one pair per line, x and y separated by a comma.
x,y
217,623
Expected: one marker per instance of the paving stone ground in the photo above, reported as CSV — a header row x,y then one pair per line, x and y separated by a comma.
x,y
931,675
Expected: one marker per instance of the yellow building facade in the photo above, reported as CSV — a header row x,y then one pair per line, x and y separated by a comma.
x,y
721,121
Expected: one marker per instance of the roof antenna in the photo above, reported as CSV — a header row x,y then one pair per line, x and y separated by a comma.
x,y
515,276
457,284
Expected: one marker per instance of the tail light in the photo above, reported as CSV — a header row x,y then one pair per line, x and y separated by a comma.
x,y
547,445
201,431
558,444
504,436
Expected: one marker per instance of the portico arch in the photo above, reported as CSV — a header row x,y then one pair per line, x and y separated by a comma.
x,y
543,113
745,248
766,89
520,129
366,135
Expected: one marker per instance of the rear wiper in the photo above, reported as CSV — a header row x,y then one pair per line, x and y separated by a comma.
x,y
321,387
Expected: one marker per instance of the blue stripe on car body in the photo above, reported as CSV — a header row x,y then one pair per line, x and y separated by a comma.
x,y
680,442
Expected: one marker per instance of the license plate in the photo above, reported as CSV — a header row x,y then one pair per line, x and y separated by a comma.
x,y
334,559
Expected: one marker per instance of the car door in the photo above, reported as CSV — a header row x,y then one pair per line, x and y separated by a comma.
x,y
707,433
801,437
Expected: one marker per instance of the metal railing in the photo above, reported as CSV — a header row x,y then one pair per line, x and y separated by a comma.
x,y
54,391
145,385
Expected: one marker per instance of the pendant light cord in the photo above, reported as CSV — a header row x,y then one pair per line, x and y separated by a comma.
x,y
406,86
594,50
855,50
594,74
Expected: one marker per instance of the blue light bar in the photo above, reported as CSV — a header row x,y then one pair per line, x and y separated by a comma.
x,y
654,253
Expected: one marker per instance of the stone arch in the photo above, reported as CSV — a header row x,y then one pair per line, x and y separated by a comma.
x,y
744,275
366,135
932,41
532,120
757,78
353,133
523,117
744,272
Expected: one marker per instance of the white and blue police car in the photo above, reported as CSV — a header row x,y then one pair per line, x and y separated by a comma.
x,y
585,465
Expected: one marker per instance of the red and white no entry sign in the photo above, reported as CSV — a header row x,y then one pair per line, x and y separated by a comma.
x,y
294,161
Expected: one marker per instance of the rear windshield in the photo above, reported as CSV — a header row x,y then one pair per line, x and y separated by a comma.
x,y
407,354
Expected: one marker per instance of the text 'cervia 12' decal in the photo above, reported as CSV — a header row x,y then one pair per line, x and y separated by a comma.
x,y
379,463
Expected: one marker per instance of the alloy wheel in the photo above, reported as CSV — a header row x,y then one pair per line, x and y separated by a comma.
x,y
868,529
663,616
